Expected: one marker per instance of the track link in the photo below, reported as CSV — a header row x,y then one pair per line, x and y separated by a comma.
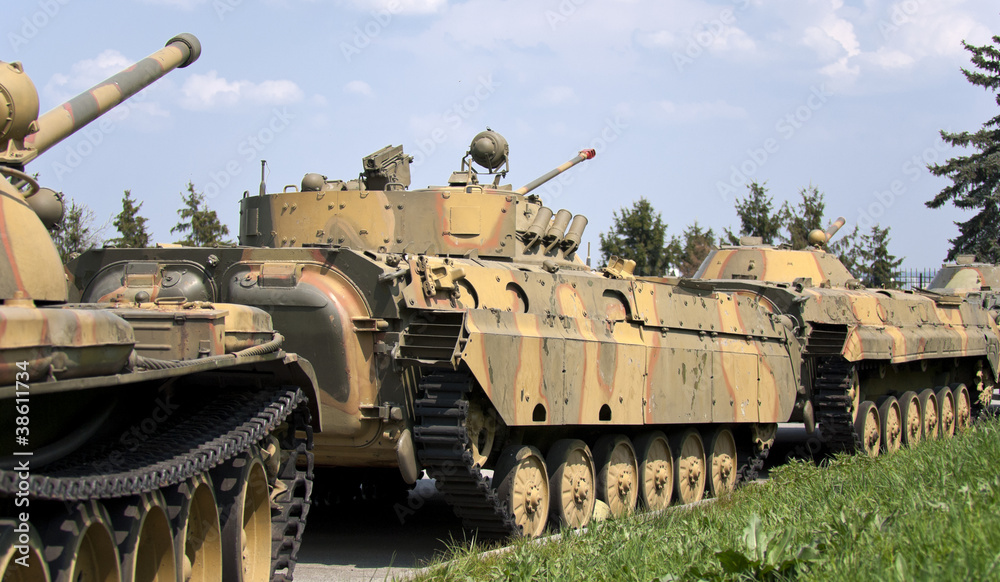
x,y
833,402
200,440
749,470
445,452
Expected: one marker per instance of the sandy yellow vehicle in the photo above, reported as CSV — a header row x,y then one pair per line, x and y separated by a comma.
x,y
455,329
144,440
881,368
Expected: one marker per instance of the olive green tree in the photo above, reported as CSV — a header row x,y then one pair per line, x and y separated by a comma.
x,y
975,178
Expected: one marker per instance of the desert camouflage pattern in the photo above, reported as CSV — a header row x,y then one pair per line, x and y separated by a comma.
x,y
898,340
74,376
966,276
381,287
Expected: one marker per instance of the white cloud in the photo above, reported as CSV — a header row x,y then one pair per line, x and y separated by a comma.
x,y
887,58
210,90
672,112
358,87
84,74
397,6
182,4
556,95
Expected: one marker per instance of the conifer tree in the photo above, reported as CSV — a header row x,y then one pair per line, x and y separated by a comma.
x,y
876,266
200,225
976,177
131,226
695,244
805,217
76,233
639,233
757,216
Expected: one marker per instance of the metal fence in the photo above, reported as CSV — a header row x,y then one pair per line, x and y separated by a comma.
x,y
911,278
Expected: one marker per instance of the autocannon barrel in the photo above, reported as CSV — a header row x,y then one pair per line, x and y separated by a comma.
x,y
584,155
64,120
837,224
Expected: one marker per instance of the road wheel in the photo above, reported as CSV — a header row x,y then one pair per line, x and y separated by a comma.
x,y
194,515
81,546
929,408
892,424
723,462
245,518
690,472
963,407
617,474
912,417
522,483
481,425
867,427
30,567
146,543
946,412
573,482
656,470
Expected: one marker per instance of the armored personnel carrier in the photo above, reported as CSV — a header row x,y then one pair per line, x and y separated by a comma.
x,y
881,368
967,276
455,330
149,439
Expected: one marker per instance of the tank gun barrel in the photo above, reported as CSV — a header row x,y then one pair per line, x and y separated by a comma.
x,y
584,155
68,118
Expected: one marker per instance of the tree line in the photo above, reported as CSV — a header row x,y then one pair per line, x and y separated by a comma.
x,y
198,226
639,233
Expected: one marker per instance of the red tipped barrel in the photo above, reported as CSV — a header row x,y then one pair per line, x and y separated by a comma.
x,y
584,155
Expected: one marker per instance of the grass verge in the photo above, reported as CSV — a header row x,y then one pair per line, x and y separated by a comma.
x,y
927,513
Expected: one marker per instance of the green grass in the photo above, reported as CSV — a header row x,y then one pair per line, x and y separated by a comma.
x,y
928,513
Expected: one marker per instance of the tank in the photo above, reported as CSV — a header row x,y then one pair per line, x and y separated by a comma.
x,y
155,438
969,276
881,368
456,330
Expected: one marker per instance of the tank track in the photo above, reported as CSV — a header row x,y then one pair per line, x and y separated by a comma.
x,y
200,441
290,508
833,404
749,470
445,453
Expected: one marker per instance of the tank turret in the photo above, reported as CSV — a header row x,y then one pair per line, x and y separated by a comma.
x,y
31,267
869,352
752,260
377,211
115,477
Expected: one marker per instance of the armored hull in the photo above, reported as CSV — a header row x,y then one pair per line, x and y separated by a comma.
x,y
881,368
147,440
454,330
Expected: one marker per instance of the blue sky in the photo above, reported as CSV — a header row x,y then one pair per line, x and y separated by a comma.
x,y
683,100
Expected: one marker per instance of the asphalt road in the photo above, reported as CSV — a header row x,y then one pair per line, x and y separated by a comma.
x,y
364,541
